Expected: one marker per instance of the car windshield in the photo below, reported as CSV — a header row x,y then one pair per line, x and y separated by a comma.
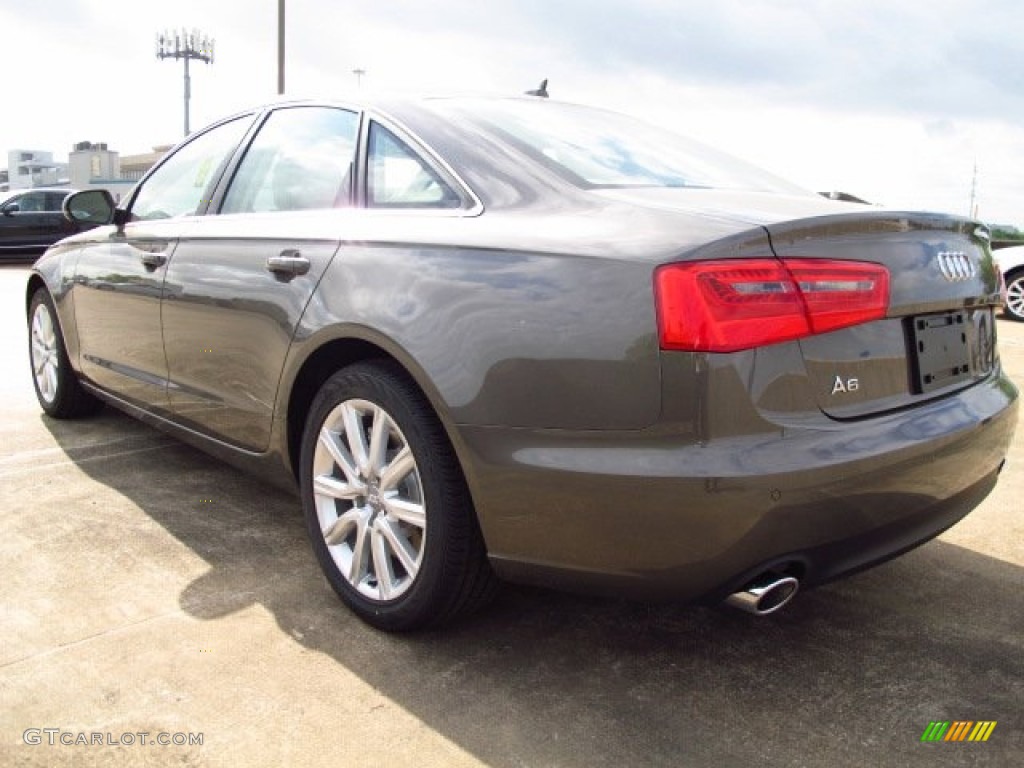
x,y
595,148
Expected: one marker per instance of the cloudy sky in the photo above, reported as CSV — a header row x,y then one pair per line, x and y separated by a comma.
x,y
896,102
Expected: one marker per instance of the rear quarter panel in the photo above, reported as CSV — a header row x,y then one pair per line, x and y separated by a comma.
x,y
499,337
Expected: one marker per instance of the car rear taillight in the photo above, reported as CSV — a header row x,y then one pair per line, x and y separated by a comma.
x,y
726,306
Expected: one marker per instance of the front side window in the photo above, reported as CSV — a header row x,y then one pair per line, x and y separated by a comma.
x,y
182,184
398,177
301,159
32,202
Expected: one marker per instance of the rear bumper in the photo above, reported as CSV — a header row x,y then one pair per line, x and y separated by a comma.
x,y
651,515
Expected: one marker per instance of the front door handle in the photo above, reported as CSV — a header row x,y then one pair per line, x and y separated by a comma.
x,y
289,262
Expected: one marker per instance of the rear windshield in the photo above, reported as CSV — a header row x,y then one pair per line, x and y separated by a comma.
x,y
594,148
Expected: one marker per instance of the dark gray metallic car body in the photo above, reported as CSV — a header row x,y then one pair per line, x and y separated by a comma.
x,y
595,459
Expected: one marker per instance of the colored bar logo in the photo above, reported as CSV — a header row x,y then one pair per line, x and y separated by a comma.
x,y
958,730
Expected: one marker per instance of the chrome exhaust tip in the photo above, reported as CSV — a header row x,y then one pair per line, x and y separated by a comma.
x,y
766,596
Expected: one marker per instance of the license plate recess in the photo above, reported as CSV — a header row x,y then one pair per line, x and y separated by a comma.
x,y
941,353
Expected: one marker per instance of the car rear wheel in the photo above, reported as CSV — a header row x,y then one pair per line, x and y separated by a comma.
x,y
56,384
387,508
1015,295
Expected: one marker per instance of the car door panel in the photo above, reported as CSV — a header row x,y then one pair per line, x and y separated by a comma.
x,y
23,222
231,306
119,281
238,286
52,227
118,286
15,229
33,228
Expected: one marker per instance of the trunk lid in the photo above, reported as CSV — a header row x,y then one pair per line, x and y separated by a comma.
x,y
939,333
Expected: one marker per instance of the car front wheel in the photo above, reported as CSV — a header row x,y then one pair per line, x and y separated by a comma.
x,y
1015,295
387,508
56,383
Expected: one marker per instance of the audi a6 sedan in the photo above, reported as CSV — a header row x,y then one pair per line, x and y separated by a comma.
x,y
511,338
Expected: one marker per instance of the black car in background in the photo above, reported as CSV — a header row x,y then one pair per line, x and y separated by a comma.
x,y
31,219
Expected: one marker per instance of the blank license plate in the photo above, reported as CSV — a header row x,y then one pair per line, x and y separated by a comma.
x,y
942,353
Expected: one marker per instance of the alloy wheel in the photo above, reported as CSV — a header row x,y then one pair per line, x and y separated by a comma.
x,y
1015,297
45,356
369,499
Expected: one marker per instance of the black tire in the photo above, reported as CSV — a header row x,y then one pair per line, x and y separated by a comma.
x,y
1015,295
393,572
57,388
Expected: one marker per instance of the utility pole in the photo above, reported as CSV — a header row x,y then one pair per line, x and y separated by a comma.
x,y
974,190
359,76
280,47
186,45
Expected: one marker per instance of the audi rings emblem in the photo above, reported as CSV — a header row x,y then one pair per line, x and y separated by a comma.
x,y
956,266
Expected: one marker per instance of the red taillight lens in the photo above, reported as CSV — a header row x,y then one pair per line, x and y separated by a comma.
x,y
725,306
839,294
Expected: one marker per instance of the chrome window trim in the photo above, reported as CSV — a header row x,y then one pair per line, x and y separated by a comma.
x,y
422,148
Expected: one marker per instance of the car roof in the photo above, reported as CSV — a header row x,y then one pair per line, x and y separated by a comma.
x,y
15,192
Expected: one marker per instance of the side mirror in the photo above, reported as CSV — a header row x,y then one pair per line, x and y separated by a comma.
x,y
91,206
12,208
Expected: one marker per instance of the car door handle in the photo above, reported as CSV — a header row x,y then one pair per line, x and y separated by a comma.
x,y
288,263
153,260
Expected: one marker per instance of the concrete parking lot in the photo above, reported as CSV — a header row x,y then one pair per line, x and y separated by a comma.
x,y
149,589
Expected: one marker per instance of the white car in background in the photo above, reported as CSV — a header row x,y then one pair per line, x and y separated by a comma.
x,y
1011,264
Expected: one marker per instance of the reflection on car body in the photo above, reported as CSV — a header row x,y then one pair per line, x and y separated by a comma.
x,y
517,338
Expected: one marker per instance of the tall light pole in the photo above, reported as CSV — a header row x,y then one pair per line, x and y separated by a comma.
x,y
359,76
185,44
973,213
280,46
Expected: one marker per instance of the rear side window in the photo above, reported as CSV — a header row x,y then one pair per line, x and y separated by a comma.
x,y
301,159
399,178
54,200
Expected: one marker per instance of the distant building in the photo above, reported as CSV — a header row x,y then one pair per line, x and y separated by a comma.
x,y
34,168
89,166
95,166
135,166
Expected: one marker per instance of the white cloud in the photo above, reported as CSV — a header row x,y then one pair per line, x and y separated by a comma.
x,y
893,102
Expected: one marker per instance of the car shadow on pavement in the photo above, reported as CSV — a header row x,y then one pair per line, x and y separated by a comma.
x,y
848,674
